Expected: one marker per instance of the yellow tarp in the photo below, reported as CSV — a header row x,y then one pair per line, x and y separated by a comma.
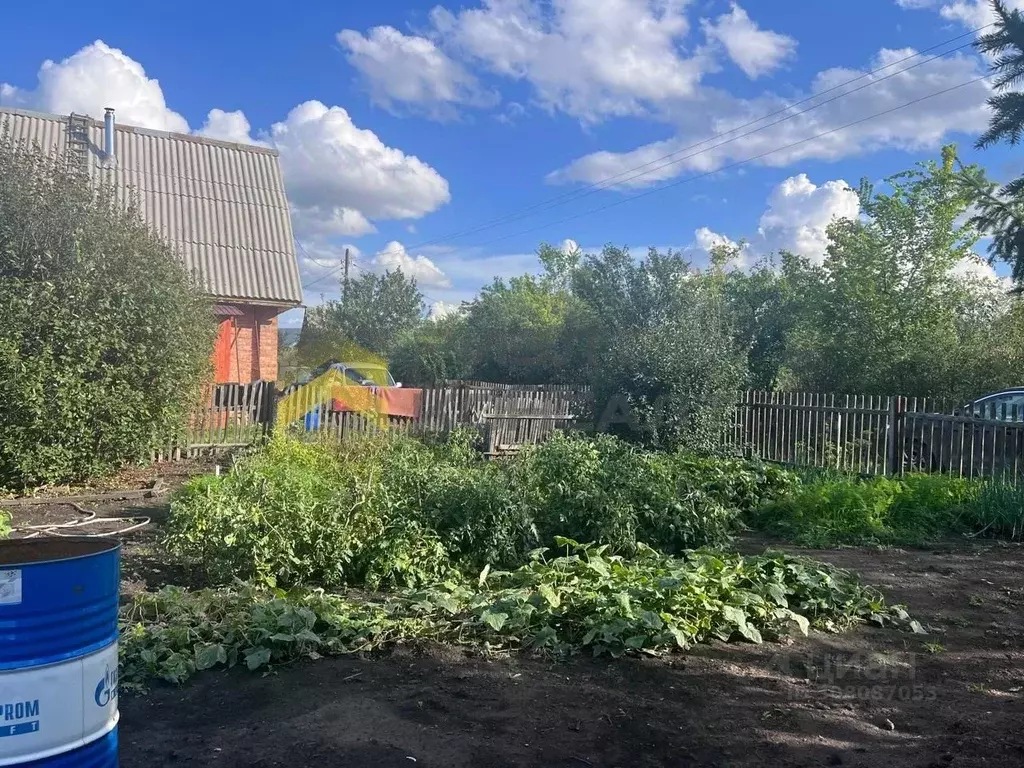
x,y
331,385
339,393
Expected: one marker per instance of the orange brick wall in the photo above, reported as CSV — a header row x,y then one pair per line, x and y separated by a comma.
x,y
268,349
253,346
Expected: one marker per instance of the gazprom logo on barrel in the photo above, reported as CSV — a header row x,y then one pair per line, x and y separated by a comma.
x,y
16,718
106,689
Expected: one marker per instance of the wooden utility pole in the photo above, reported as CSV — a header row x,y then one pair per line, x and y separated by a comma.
x,y
344,285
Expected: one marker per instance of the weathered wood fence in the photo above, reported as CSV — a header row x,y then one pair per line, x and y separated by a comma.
x,y
509,416
878,435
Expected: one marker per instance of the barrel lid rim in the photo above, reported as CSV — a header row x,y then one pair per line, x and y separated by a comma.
x,y
114,546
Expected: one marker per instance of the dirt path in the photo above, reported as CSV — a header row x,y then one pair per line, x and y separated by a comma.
x,y
871,697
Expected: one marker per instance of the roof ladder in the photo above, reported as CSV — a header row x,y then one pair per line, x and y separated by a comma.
x,y
78,144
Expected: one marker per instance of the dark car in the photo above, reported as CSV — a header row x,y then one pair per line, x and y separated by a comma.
x,y
361,374
984,437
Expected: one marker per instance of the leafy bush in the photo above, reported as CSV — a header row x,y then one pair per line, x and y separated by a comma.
x,y
585,599
909,510
297,512
737,484
104,339
5,524
395,511
606,490
676,383
653,602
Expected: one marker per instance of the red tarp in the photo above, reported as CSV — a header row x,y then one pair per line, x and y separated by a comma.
x,y
390,401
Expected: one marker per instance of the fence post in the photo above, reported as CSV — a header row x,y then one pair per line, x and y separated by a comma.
x,y
893,428
271,396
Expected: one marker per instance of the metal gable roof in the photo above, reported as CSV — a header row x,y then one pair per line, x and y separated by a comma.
x,y
221,205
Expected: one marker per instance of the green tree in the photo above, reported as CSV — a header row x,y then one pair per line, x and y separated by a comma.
x,y
513,328
1001,210
762,305
376,312
433,352
104,339
666,367
887,312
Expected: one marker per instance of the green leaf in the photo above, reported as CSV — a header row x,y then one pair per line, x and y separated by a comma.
x,y
208,656
308,636
636,641
801,621
445,601
751,633
651,620
494,619
680,637
550,595
257,657
734,615
545,637
778,594
483,575
625,604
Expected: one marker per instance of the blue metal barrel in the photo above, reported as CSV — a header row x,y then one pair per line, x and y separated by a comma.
x,y
58,652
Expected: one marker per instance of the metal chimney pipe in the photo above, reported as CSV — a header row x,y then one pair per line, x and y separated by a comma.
x,y
108,134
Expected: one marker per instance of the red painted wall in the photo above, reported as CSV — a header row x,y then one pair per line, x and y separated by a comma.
x,y
246,346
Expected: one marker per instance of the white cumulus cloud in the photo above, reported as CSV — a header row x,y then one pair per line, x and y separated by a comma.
x,y
706,240
95,77
589,59
441,309
754,50
413,71
227,126
972,14
713,130
326,221
339,176
800,212
796,219
393,256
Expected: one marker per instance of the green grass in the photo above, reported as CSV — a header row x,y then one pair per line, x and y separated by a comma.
x,y
911,510
996,512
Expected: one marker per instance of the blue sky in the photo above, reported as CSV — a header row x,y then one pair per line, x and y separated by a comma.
x,y
404,122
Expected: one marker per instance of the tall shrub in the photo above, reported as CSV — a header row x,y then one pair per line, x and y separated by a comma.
x,y
104,338
667,369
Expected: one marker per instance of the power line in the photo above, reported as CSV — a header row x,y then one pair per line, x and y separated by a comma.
x,y
735,164
354,265
597,188
424,295
605,183
740,162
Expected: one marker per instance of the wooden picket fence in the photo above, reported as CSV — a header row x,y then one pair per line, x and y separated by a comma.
x,y
233,416
878,435
509,416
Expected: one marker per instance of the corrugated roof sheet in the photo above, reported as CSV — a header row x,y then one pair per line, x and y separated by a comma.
x,y
221,205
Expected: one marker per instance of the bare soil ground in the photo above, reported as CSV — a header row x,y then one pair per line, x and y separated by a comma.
x,y
869,697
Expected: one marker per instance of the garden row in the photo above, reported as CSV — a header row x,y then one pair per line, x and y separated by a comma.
x,y
580,543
